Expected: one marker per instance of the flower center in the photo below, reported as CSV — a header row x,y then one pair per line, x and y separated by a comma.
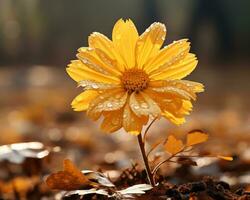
x,y
134,80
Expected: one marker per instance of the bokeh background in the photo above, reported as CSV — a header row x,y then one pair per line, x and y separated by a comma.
x,y
38,38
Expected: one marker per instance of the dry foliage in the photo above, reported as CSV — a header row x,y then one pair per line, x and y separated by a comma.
x,y
70,178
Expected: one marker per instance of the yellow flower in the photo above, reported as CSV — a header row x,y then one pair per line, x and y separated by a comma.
x,y
130,79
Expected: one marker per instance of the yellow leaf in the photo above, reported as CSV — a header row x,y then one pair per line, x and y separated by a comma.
x,y
228,158
196,137
173,145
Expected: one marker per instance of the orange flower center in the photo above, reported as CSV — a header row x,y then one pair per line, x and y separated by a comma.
x,y
134,80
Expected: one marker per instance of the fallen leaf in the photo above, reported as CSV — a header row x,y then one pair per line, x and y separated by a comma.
x,y
86,192
173,145
98,177
196,137
136,189
71,178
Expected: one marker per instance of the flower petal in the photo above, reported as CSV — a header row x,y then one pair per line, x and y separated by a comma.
x,y
82,101
149,43
173,119
168,56
173,107
124,38
100,41
142,104
132,123
98,60
178,111
178,70
78,71
109,100
112,121
183,88
93,85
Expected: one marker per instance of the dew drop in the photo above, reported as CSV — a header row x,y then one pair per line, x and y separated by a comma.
x,y
144,105
109,105
100,106
94,86
136,107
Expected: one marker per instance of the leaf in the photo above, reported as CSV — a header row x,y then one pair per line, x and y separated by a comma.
x,y
173,145
71,178
228,158
136,189
196,137
86,192
98,177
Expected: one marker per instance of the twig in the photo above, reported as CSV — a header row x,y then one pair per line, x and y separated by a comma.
x,y
153,148
167,160
147,129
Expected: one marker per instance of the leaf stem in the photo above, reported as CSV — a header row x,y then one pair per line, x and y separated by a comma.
x,y
167,160
147,129
145,159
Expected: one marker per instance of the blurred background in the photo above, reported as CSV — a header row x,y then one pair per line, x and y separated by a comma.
x,y
38,38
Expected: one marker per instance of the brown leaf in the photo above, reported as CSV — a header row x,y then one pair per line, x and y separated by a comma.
x,y
196,137
173,145
71,178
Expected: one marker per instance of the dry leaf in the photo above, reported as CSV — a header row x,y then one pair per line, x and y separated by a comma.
x,y
98,177
136,189
86,192
173,145
196,137
71,178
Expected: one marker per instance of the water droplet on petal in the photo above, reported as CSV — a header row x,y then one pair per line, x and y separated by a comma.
x,y
100,106
144,105
109,105
95,86
136,107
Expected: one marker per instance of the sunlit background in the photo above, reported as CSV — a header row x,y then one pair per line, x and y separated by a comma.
x,y
38,38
